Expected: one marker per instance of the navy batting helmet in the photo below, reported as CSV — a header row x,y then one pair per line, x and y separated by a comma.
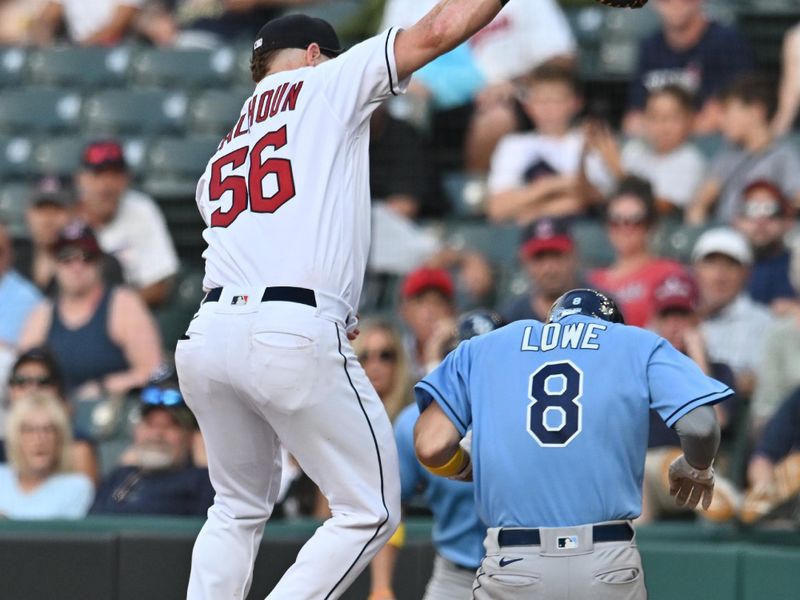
x,y
477,322
585,302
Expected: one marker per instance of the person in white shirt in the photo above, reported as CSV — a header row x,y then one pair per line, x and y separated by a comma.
x,y
128,224
540,173
88,22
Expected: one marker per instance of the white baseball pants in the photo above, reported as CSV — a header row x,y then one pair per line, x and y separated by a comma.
x,y
261,374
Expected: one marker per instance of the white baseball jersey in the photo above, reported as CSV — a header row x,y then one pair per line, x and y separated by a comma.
x,y
286,196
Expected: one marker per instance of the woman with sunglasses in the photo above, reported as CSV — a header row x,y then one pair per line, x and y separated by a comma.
x,y
36,371
38,482
103,337
631,216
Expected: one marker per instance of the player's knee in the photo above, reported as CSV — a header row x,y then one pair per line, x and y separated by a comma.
x,y
390,526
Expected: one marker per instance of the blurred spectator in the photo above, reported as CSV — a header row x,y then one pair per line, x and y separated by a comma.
x,y
49,210
765,218
748,107
88,22
18,297
207,24
630,218
380,351
535,174
129,224
691,51
118,340
157,476
37,482
37,371
16,20
778,374
733,324
664,155
547,253
427,308
790,83
676,319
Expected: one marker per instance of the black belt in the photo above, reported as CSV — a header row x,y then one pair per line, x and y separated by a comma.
x,y
617,532
272,294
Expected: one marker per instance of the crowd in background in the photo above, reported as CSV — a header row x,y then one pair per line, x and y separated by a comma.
x,y
77,331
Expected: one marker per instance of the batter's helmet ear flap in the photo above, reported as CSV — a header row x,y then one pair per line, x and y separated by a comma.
x,y
588,302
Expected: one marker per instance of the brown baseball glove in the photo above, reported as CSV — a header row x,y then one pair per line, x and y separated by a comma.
x,y
624,3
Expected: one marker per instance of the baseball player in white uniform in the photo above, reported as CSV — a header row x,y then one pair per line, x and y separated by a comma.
x,y
267,360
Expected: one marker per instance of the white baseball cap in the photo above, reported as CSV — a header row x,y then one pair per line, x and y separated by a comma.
x,y
726,241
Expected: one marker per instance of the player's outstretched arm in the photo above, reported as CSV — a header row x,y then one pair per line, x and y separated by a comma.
x,y
436,442
691,476
447,25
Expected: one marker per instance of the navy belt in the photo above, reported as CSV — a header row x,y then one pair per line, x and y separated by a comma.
x,y
616,532
274,294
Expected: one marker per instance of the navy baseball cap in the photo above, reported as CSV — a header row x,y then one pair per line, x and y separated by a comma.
x,y
297,31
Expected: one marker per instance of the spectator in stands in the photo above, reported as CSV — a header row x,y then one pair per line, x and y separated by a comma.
x,y
547,254
692,51
789,101
38,483
765,218
536,174
18,296
156,476
631,215
733,324
379,348
427,308
36,371
748,107
16,20
664,155
208,24
88,22
676,319
117,337
129,224
49,210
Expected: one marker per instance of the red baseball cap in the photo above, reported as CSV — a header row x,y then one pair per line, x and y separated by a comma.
x,y
104,155
546,235
79,234
676,292
424,279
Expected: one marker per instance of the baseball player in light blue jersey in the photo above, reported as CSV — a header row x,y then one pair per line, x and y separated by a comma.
x,y
559,414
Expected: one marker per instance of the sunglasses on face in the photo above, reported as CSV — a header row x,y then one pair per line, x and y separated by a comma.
x,y
22,380
626,220
386,355
757,210
157,397
68,255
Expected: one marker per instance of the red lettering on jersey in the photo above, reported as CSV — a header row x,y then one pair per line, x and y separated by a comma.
x,y
239,127
251,109
276,100
228,137
263,106
291,97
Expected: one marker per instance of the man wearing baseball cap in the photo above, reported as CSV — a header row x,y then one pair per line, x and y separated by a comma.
x,y
129,225
733,324
547,253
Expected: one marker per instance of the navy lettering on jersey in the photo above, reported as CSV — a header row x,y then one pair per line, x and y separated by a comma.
x,y
555,415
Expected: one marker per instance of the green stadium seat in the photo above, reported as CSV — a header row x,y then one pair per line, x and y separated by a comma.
x,y
216,111
594,248
174,317
38,110
15,155
175,165
58,156
13,201
466,193
677,242
12,66
498,243
183,68
84,67
139,111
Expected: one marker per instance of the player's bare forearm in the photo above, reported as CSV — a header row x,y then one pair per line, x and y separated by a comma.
x,y
507,205
447,25
436,439
699,434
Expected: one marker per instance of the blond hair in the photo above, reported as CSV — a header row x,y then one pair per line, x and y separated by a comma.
x,y
21,410
400,394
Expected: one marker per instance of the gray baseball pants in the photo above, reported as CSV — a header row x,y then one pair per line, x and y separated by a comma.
x,y
449,581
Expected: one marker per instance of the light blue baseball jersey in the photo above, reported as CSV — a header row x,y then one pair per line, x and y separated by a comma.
x,y
457,531
559,414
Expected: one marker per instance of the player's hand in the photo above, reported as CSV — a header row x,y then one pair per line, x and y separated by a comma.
x,y
351,335
690,485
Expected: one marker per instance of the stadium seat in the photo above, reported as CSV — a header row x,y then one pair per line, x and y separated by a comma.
x,y
12,63
15,154
677,241
594,248
13,201
183,68
216,111
173,317
84,67
36,110
58,156
466,193
498,243
140,111
175,165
